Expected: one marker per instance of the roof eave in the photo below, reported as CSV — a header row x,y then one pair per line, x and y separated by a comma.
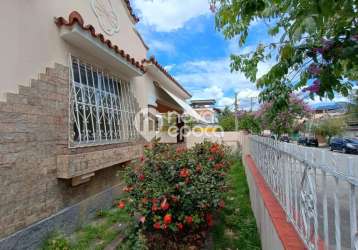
x,y
153,62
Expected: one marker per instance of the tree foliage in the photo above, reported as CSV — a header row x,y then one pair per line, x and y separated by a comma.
x,y
227,120
330,127
314,42
248,122
286,120
353,107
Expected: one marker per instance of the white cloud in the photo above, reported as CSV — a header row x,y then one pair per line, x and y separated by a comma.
x,y
170,15
226,101
169,67
248,93
198,75
212,79
156,45
213,92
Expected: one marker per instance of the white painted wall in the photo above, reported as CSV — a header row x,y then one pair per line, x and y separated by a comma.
x,y
268,234
30,39
228,138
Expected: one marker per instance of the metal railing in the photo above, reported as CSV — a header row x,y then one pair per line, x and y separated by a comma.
x,y
315,187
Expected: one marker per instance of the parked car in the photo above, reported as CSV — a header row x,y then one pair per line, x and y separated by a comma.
x,y
301,141
310,141
346,145
285,138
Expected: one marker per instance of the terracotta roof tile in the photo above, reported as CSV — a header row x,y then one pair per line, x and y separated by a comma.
x,y
131,12
75,17
161,68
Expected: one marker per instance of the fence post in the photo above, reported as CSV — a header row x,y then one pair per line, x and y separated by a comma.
x,y
287,182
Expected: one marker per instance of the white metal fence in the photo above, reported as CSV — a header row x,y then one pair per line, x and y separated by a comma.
x,y
315,187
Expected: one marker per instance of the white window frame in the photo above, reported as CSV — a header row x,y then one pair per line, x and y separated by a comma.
x,y
102,106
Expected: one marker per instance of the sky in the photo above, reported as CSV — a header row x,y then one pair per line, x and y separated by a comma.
x,y
181,35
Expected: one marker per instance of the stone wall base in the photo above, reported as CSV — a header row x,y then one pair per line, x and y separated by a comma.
x,y
65,221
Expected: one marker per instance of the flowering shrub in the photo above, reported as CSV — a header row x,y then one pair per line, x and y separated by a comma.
x,y
174,192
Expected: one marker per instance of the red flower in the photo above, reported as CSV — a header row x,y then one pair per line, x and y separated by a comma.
x,y
141,177
174,198
188,220
209,219
184,173
121,204
164,226
167,219
210,158
221,204
157,225
154,207
199,168
218,166
180,226
214,148
127,189
164,205
142,219
180,150
142,158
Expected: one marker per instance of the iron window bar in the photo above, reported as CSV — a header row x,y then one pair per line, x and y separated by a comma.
x,y
101,106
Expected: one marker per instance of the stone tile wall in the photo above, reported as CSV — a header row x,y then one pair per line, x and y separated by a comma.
x,y
33,138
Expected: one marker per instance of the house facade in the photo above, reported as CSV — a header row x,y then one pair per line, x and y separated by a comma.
x,y
75,75
206,109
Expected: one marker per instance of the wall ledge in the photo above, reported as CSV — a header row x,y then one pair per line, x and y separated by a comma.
x,y
286,232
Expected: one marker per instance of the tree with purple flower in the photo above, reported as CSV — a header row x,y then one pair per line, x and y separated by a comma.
x,y
285,121
315,44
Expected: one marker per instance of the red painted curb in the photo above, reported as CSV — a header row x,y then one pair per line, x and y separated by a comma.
x,y
286,232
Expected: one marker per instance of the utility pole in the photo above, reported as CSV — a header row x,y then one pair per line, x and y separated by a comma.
x,y
252,99
251,103
236,111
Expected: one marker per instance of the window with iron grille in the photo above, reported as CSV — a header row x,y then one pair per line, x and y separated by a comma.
x,y
102,106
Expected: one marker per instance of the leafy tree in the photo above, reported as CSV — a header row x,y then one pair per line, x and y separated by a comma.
x,y
227,120
314,42
330,127
286,120
248,122
353,107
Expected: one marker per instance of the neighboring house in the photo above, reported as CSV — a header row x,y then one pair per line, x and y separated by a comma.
x,y
66,133
206,109
335,110
330,109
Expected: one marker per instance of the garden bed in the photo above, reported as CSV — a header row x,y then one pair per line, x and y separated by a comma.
x,y
236,225
99,234
177,199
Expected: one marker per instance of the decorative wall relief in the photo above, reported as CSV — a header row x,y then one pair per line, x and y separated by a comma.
x,y
107,17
